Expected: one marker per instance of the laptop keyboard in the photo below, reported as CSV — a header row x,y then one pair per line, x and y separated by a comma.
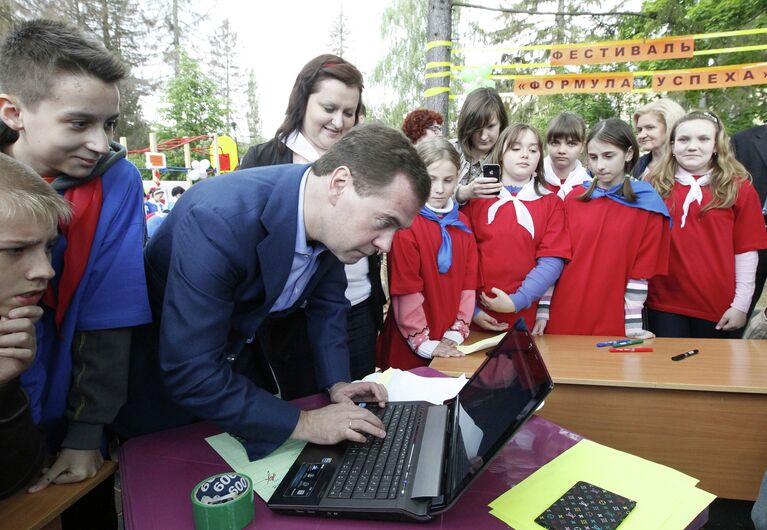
x,y
374,469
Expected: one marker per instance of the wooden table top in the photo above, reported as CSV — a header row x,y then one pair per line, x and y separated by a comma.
x,y
34,511
723,365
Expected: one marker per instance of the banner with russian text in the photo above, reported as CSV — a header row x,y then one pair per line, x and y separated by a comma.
x,y
573,84
623,51
715,77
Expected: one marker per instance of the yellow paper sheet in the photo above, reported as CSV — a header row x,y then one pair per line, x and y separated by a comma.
x,y
689,509
266,473
481,345
663,495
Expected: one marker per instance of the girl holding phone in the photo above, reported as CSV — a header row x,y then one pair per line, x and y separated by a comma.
x,y
483,117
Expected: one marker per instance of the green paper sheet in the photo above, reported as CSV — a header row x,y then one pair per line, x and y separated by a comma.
x,y
266,473
664,496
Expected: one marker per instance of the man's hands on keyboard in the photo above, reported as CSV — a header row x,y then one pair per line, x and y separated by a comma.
x,y
337,422
361,391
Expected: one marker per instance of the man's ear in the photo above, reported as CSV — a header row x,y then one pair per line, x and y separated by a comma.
x,y
10,112
340,181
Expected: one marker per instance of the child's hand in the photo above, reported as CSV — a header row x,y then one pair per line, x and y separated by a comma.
x,y
732,319
487,322
500,303
18,342
539,327
479,188
444,349
72,465
485,188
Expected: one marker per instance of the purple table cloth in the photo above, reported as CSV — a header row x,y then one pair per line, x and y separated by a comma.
x,y
158,472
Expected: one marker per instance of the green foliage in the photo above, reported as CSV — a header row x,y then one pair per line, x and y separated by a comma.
x,y
403,27
339,34
253,114
192,106
739,107
223,67
554,29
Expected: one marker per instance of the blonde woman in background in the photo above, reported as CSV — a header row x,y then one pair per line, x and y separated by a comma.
x,y
653,123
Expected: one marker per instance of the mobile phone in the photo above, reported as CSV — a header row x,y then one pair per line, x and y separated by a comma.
x,y
492,171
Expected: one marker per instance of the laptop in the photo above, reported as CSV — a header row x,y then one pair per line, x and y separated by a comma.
x,y
431,453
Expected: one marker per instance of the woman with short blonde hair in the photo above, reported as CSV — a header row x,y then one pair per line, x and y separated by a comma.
x,y
653,123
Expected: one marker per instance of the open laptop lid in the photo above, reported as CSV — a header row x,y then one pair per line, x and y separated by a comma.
x,y
501,395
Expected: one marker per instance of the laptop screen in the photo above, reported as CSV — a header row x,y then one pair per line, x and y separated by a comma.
x,y
495,402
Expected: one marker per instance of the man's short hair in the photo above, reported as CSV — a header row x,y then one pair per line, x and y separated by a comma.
x,y
376,154
39,50
24,193
177,191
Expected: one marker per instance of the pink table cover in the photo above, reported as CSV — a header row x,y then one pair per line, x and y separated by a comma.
x,y
158,472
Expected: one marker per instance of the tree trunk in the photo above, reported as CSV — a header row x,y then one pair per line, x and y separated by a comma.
x,y
438,28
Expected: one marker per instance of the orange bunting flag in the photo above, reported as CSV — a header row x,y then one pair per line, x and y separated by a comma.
x,y
573,84
716,77
623,51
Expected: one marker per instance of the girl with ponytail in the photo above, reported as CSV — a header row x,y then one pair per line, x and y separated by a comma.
x,y
620,236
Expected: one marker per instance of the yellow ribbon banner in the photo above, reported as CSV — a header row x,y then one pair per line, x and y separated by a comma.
x,y
435,90
621,52
437,43
707,78
717,35
573,84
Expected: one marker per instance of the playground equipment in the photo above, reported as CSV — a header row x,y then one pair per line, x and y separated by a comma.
x,y
222,154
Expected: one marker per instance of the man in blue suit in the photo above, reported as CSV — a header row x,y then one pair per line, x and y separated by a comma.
x,y
257,243
751,150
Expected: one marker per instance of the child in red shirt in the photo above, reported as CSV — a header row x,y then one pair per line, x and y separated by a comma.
x,y
520,235
432,272
718,227
620,238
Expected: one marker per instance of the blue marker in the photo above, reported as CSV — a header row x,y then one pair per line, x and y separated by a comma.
x,y
617,343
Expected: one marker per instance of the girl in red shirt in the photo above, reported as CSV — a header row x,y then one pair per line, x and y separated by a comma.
x,y
432,272
620,238
520,234
718,227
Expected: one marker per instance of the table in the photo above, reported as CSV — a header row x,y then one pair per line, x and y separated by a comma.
x,y
42,510
158,472
705,416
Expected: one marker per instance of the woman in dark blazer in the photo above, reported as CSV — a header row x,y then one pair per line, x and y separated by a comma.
x,y
324,105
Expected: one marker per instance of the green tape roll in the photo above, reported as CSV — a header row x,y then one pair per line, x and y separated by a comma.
x,y
223,502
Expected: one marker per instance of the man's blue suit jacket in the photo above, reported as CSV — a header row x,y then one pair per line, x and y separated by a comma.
x,y
217,265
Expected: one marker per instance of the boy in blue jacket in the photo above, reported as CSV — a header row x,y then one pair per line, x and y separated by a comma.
x,y
58,111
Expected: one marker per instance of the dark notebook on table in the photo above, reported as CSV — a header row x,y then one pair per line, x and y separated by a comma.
x,y
431,453
586,507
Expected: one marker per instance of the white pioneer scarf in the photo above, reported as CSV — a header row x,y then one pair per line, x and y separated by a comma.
x,y
578,176
527,194
695,193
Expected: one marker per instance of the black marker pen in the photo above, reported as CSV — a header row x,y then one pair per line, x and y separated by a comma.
x,y
684,355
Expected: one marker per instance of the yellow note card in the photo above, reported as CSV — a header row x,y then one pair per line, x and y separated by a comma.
x,y
266,473
483,344
664,496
